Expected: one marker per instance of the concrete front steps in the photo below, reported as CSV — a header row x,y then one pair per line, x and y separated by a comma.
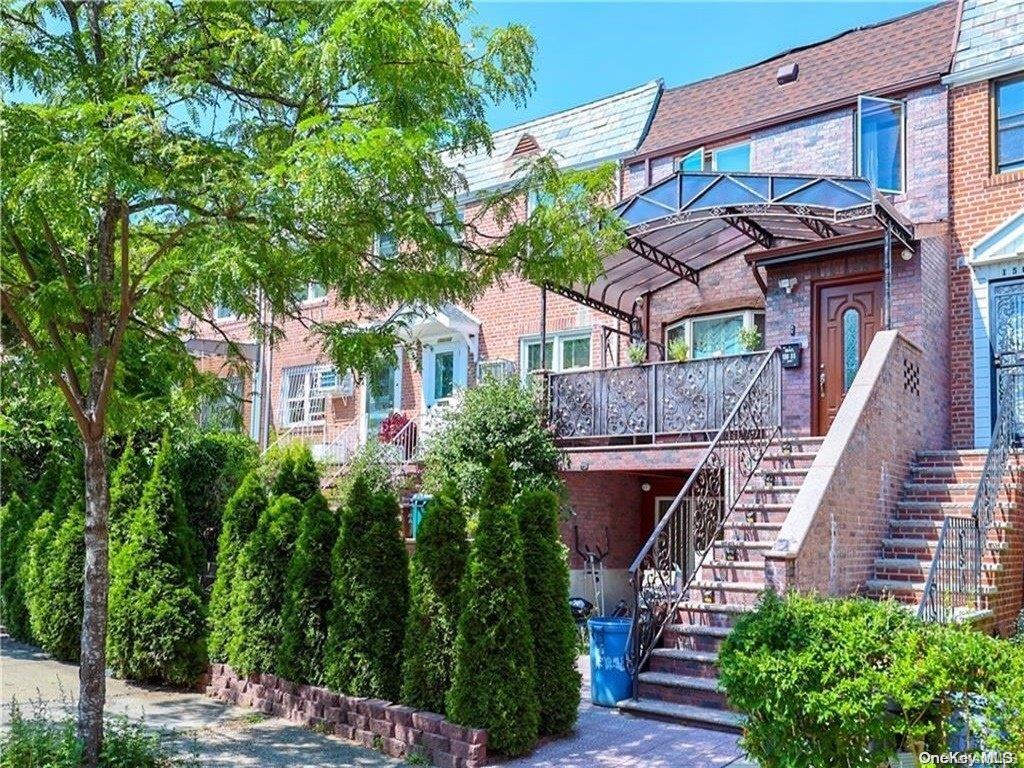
x,y
941,484
680,682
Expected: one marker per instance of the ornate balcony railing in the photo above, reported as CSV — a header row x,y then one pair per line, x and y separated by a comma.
x,y
954,579
662,572
688,398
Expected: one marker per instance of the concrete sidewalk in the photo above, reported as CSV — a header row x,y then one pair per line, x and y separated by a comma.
x,y
224,735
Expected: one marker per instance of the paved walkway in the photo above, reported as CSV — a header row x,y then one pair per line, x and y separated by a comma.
x,y
223,735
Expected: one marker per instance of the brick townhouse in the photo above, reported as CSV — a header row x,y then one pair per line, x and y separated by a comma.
x,y
765,385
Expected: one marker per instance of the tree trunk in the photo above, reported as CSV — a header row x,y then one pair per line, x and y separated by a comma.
x,y
92,671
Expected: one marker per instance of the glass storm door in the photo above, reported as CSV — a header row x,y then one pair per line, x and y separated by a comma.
x,y
381,398
1007,300
849,315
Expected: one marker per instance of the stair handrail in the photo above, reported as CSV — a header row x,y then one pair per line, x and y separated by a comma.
x,y
407,439
710,493
954,576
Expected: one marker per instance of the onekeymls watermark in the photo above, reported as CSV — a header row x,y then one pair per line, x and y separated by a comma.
x,y
965,758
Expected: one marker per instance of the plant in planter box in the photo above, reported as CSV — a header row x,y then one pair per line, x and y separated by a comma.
x,y
637,353
751,339
678,351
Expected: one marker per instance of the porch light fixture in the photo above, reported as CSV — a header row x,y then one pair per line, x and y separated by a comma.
x,y
788,284
645,487
787,73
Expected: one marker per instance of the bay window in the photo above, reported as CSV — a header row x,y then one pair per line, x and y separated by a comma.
x,y
881,142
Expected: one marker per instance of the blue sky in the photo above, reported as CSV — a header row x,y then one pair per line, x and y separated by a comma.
x,y
586,50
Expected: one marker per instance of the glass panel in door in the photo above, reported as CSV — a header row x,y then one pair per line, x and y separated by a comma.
x,y
380,398
1008,343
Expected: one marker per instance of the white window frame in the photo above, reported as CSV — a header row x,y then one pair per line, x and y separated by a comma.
x,y
376,245
229,313
460,362
557,339
698,151
313,385
903,141
686,324
715,152
308,297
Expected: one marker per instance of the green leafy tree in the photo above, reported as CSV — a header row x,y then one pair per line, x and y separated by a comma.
x,y
436,571
156,629
210,468
554,631
16,521
297,475
127,483
258,590
495,678
308,595
241,516
370,590
163,157
497,414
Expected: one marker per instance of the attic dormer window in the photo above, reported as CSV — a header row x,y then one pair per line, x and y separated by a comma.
x,y
525,146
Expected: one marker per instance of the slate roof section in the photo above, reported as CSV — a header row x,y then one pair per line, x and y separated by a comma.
x,y
991,33
606,129
910,50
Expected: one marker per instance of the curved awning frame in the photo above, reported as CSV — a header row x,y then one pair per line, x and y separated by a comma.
x,y
688,222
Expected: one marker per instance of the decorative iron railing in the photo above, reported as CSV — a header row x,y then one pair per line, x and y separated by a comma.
x,y
954,578
662,572
691,397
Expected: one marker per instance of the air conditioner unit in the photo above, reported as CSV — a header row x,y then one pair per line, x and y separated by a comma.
x,y
333,385
495,369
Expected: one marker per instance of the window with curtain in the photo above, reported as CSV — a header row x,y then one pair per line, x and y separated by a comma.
x,y
880,142
1009,125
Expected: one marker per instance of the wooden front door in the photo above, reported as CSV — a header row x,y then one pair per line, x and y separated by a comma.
x,y
848,316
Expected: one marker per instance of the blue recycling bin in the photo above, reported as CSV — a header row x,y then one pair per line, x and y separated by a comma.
x,y
610,683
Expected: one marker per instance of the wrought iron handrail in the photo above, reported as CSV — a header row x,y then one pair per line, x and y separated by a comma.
x,y
665,567
954,577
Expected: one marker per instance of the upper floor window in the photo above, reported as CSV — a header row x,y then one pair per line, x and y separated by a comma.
x,y
731,159
223,312
563,352
385,245
716,335
692,162
880,142
1009,125
312,292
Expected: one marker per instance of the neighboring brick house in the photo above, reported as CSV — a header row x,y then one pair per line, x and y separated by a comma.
x,y
986,167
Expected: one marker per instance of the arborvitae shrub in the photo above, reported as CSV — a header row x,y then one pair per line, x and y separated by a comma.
x,y
494,684
435,573
210,468
258,592
297,474
126,485
554,631
241,515
16,520
370,589
57,619
308,595
156,625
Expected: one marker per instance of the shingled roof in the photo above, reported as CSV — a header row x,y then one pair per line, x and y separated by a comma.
x,y
883,58
605,129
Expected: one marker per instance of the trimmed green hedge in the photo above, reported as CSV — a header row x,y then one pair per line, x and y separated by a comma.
x,y
241,517
297,475
258,592
435,574
127,482
308,595
370,590
555,637
16,521
494,684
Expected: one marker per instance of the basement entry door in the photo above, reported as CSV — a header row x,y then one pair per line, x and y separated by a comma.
x,y
848,317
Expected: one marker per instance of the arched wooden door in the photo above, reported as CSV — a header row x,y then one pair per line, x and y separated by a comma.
x,y
848,317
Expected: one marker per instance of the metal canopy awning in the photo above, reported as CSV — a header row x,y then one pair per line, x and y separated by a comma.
x,y
690,221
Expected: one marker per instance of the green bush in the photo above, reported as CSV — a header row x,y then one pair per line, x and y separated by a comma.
x,y
435,574
494,684
496,414
55,608
47,742
127,482
241,515
297,475
258,592
210,468
555,637
308,595
370,590
849,682
156,620
16,521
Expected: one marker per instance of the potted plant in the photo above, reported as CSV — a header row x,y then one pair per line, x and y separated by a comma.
x,y
637,353
751,339
678,351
